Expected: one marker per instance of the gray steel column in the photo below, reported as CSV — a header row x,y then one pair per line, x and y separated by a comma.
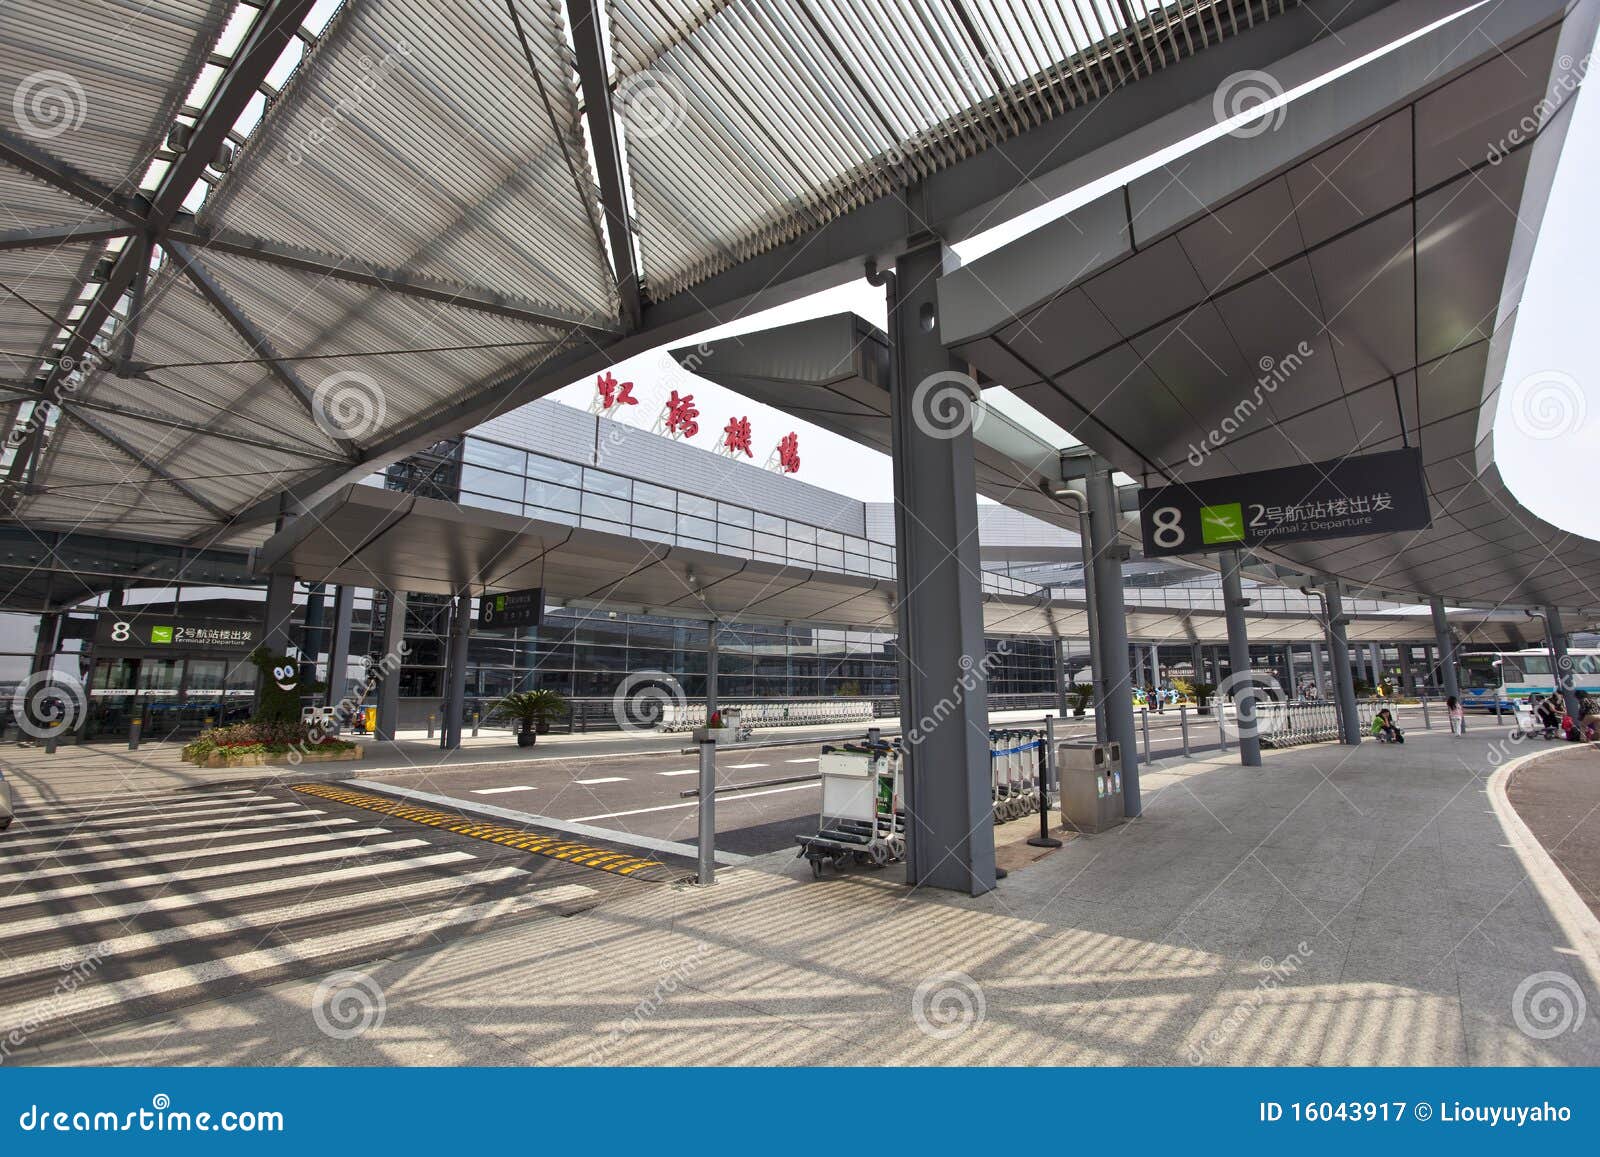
x,y
1317,672
711,669
1244,689
1292,691
1561,662
1339,657
277,612
394,633
1408,676
311,630
44,643
1155,665
1091,611
1375,661
1063,661
943,701
1447,651
1197,660
1112,680
339,644
455,698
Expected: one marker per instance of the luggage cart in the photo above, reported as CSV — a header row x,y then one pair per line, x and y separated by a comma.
x,y
862,819
1014,773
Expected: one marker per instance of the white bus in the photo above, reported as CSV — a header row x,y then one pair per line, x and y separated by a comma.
x,y
1514,675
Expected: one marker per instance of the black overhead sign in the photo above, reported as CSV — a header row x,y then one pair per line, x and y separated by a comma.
x,y
1372,494
150,631
512,609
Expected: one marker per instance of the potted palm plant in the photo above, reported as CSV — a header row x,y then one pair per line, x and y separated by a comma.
x,y
1202,697
1081,695
531,711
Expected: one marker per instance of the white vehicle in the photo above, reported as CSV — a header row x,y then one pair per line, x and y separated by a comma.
x,y
1509,677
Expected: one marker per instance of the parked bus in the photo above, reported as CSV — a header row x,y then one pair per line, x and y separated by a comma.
x,y
1487,676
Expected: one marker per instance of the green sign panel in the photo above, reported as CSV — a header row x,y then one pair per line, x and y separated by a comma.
x,y
511,610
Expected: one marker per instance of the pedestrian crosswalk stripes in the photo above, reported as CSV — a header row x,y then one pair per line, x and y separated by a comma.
x,y
251,888
35,872
117,805
71,845
605,859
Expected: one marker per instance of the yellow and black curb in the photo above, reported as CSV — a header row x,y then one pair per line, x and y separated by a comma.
x,y
601,859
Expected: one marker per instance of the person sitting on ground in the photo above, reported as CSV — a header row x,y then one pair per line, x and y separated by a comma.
x,y
1589,716
1549,716
1385,728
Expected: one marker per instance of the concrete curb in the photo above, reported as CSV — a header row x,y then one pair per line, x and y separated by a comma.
x,y
1577,922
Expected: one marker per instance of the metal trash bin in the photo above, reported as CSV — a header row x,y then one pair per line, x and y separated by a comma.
x,y
1091,785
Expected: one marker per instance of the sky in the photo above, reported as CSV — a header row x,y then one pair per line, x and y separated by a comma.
x,y
1547,427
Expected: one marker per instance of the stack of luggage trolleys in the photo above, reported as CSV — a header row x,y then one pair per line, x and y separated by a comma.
x,y
1014,772
863,814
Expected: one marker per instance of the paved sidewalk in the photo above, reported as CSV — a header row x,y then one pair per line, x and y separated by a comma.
x,y
1338,906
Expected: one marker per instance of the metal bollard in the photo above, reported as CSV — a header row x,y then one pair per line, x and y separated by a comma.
x,y
1144,723
1183,722
874,734
50,742
1497,709
1427,721
430,725
474,725
707,846
133,733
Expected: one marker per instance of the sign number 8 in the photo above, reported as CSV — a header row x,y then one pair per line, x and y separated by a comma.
x,y
119,632
1166,528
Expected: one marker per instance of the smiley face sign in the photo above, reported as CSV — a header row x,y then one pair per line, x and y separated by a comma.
x,y
287,676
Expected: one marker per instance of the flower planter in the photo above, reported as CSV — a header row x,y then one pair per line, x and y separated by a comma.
x,y
258,759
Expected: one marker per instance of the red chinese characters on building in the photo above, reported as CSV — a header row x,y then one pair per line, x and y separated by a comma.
x,y
736,437
681,414
789,453
614,393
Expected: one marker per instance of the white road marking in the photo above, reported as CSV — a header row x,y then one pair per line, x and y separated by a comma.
x,y
97,996
110,806
213,817
571,827
176,900
743,766
62,848
267,918
187,854
721,798
813,759
18,899
500,790
685,771
603,779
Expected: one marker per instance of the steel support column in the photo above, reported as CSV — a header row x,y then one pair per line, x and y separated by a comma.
x,y
277,613
1561,662
711,669
1449,684
338,677
1339,657
943,701
311,630
1092,617
1293,690
1244,688
1113,687
1062,663
1317,672
1408,675
394,634
456,672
